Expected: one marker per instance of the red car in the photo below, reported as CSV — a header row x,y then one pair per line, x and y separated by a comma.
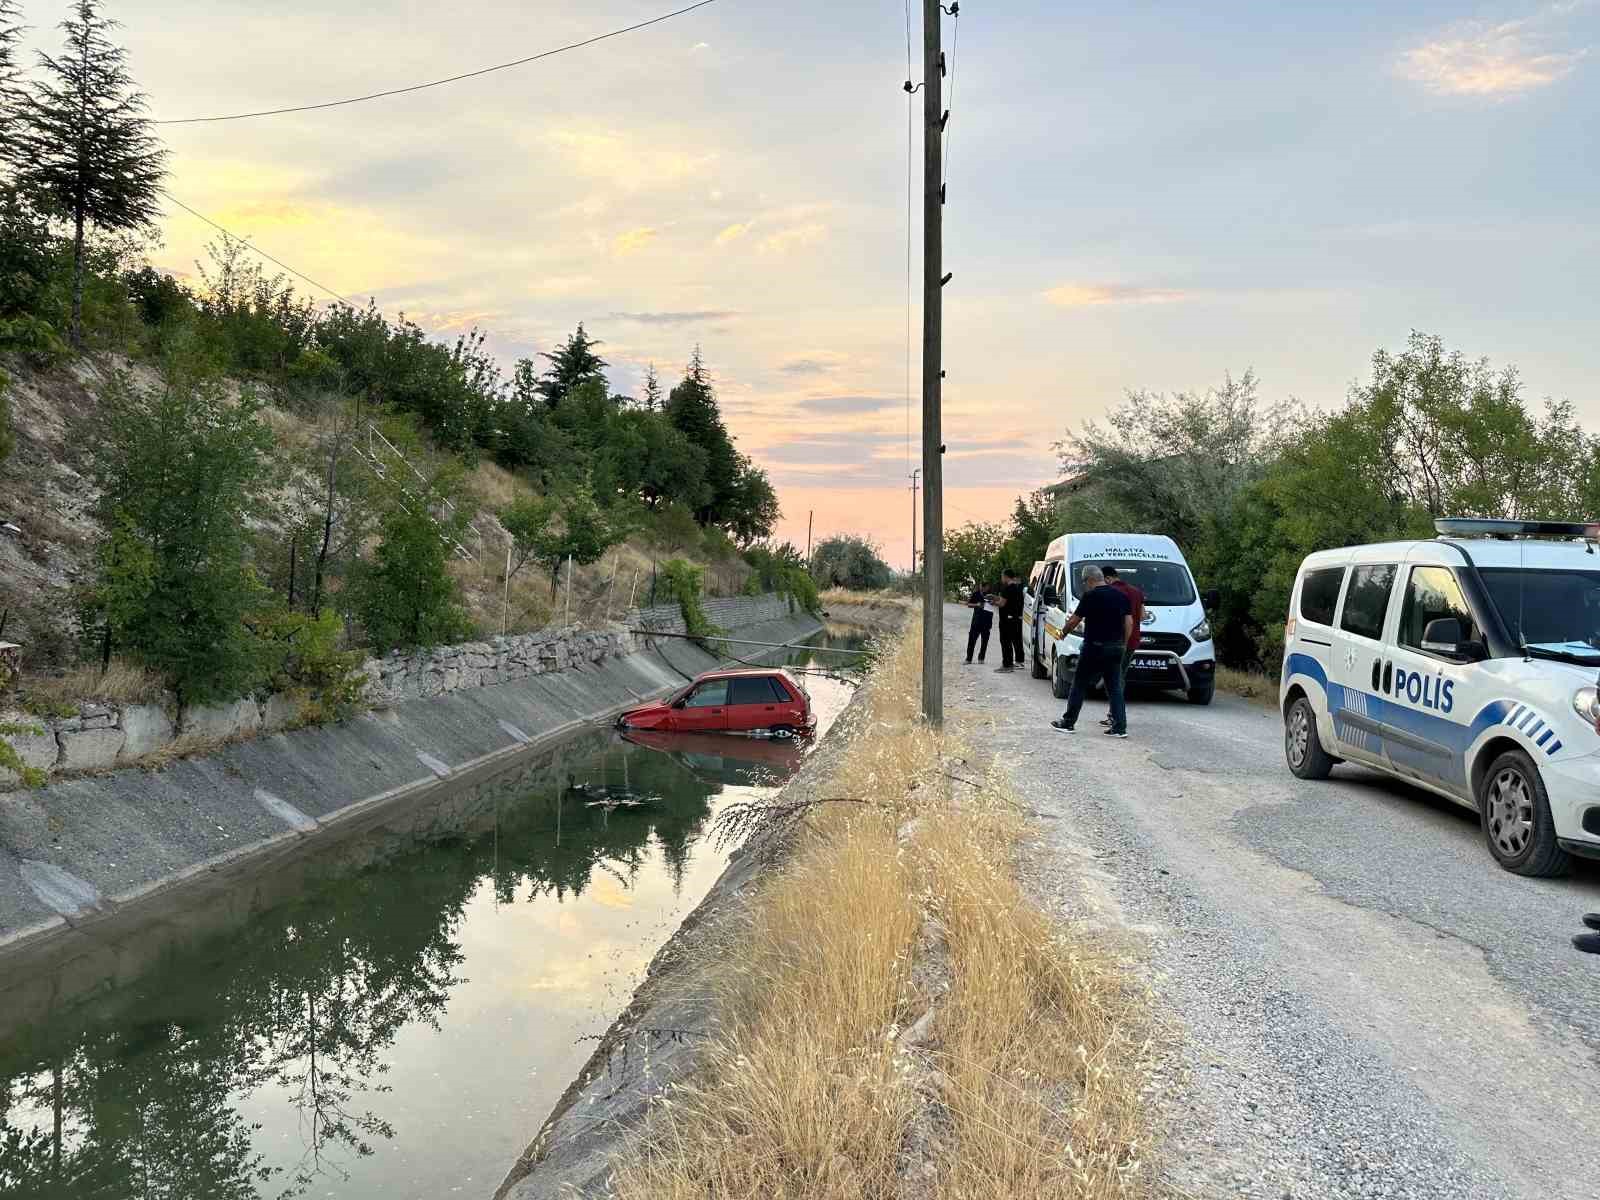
x,y
738,701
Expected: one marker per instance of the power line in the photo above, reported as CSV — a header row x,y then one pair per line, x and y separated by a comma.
x,y
910,200
254,249
418,87
955,41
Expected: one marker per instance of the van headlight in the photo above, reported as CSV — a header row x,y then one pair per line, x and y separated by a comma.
x,y
1201,632
1586,703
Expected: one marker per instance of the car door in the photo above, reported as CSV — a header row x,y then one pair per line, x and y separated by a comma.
x,y
1425,737
705,709
1357,671
751,704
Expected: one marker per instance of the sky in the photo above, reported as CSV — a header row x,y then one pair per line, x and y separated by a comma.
x,y
1141,195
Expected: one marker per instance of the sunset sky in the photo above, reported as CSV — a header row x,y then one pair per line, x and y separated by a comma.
x,y
1141,195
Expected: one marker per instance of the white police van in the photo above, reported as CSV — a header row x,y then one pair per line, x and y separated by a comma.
x,y
1175,648
1466,665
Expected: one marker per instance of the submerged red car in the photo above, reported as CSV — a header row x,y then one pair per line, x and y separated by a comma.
x,y
752,700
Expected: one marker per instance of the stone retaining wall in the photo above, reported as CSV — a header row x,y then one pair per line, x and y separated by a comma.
x,y
104,736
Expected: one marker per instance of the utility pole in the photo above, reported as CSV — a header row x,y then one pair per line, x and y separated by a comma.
x,y
932,359
810,517
915,475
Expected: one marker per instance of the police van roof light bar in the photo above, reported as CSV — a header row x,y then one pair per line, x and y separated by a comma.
x,y
1496,528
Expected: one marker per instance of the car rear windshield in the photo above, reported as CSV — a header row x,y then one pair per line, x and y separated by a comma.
x,y
1163,583
1552,610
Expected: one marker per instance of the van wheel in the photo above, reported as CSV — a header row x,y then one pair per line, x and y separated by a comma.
x,y
1203,693
1060,679
1040,671
1515,812
1302,745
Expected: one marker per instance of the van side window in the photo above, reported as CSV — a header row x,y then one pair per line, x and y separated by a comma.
x,y
1434,595
1368,600
1319,594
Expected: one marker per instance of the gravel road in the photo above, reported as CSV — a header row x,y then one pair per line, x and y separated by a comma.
x,y
1368,1005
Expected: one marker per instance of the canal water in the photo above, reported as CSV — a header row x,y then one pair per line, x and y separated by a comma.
x,y
398,1021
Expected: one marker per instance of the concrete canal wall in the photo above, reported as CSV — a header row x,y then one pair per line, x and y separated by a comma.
x,y
84,858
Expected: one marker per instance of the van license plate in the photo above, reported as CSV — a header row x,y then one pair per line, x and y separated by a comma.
x,y
1149,664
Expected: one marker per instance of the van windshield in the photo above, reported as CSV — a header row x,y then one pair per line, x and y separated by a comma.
x,y
1556,613
1163,583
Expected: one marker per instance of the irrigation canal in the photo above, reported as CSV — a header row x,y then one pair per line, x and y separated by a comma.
x,y
398,1022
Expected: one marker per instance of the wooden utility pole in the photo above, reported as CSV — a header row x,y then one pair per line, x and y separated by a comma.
x,y
932,357
810,517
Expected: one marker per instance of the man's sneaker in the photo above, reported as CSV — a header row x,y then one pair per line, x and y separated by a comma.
x,y
1060,726
1106,721
1592,920
1121,733
1004,670
1589,943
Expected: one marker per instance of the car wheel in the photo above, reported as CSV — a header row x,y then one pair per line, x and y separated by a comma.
x,y
1515,812
1302,744
1060,679
1203,693
782,733
1040,671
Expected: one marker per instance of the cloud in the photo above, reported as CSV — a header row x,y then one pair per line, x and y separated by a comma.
x,y
793,239
1080,295
1475,59
732,233
633,240
805,366
701,46
849,404
673,318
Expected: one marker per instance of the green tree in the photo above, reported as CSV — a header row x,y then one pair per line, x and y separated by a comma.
x,y
574,364
849,561
181,467
692,409
86,143
1035,523
652,400
548,530
751,508
975,552
11,91
406,596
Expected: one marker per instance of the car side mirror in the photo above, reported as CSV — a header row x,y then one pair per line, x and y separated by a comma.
x,y
1445,636
1212,599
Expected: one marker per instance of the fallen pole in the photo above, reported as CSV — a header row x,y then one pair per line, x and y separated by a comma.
x,y
746,642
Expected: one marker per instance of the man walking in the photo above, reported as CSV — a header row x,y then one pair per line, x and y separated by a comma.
x,y
982,621
1136,599
1010,621
1107,620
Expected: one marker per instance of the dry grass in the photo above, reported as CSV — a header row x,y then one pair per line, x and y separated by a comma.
x,y
897,1019
884,601
495,488
122,683
1255,686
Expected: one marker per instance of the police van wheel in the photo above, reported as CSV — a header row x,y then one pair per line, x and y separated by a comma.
x,y
1060,679
1302,745
1203,694
1515,813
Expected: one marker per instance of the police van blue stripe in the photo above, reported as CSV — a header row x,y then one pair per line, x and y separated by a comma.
x,y
1448,735
1537,726
1546,736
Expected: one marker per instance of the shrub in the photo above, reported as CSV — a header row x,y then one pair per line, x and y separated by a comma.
x,y
682,581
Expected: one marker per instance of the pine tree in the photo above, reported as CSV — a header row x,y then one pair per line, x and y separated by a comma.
x,y
692,409
573,365
652,385
10,83
86,144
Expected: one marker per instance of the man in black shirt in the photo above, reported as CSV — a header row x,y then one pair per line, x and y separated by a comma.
x,y
1010,621
982,621
1107,620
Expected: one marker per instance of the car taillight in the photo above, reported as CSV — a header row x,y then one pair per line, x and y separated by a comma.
x,y
1288,631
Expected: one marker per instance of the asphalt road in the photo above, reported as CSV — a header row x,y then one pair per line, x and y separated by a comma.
x,y
1365,1004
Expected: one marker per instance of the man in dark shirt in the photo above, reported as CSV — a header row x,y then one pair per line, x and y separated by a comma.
x,y
982,621
1107,620
1010,621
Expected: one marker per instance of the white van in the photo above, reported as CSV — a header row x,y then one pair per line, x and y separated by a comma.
x,y
1466,665
1175,652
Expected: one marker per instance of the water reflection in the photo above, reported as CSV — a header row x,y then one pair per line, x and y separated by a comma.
x,y
263,1061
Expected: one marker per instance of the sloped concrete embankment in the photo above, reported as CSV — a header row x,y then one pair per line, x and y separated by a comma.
x,y
83,861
